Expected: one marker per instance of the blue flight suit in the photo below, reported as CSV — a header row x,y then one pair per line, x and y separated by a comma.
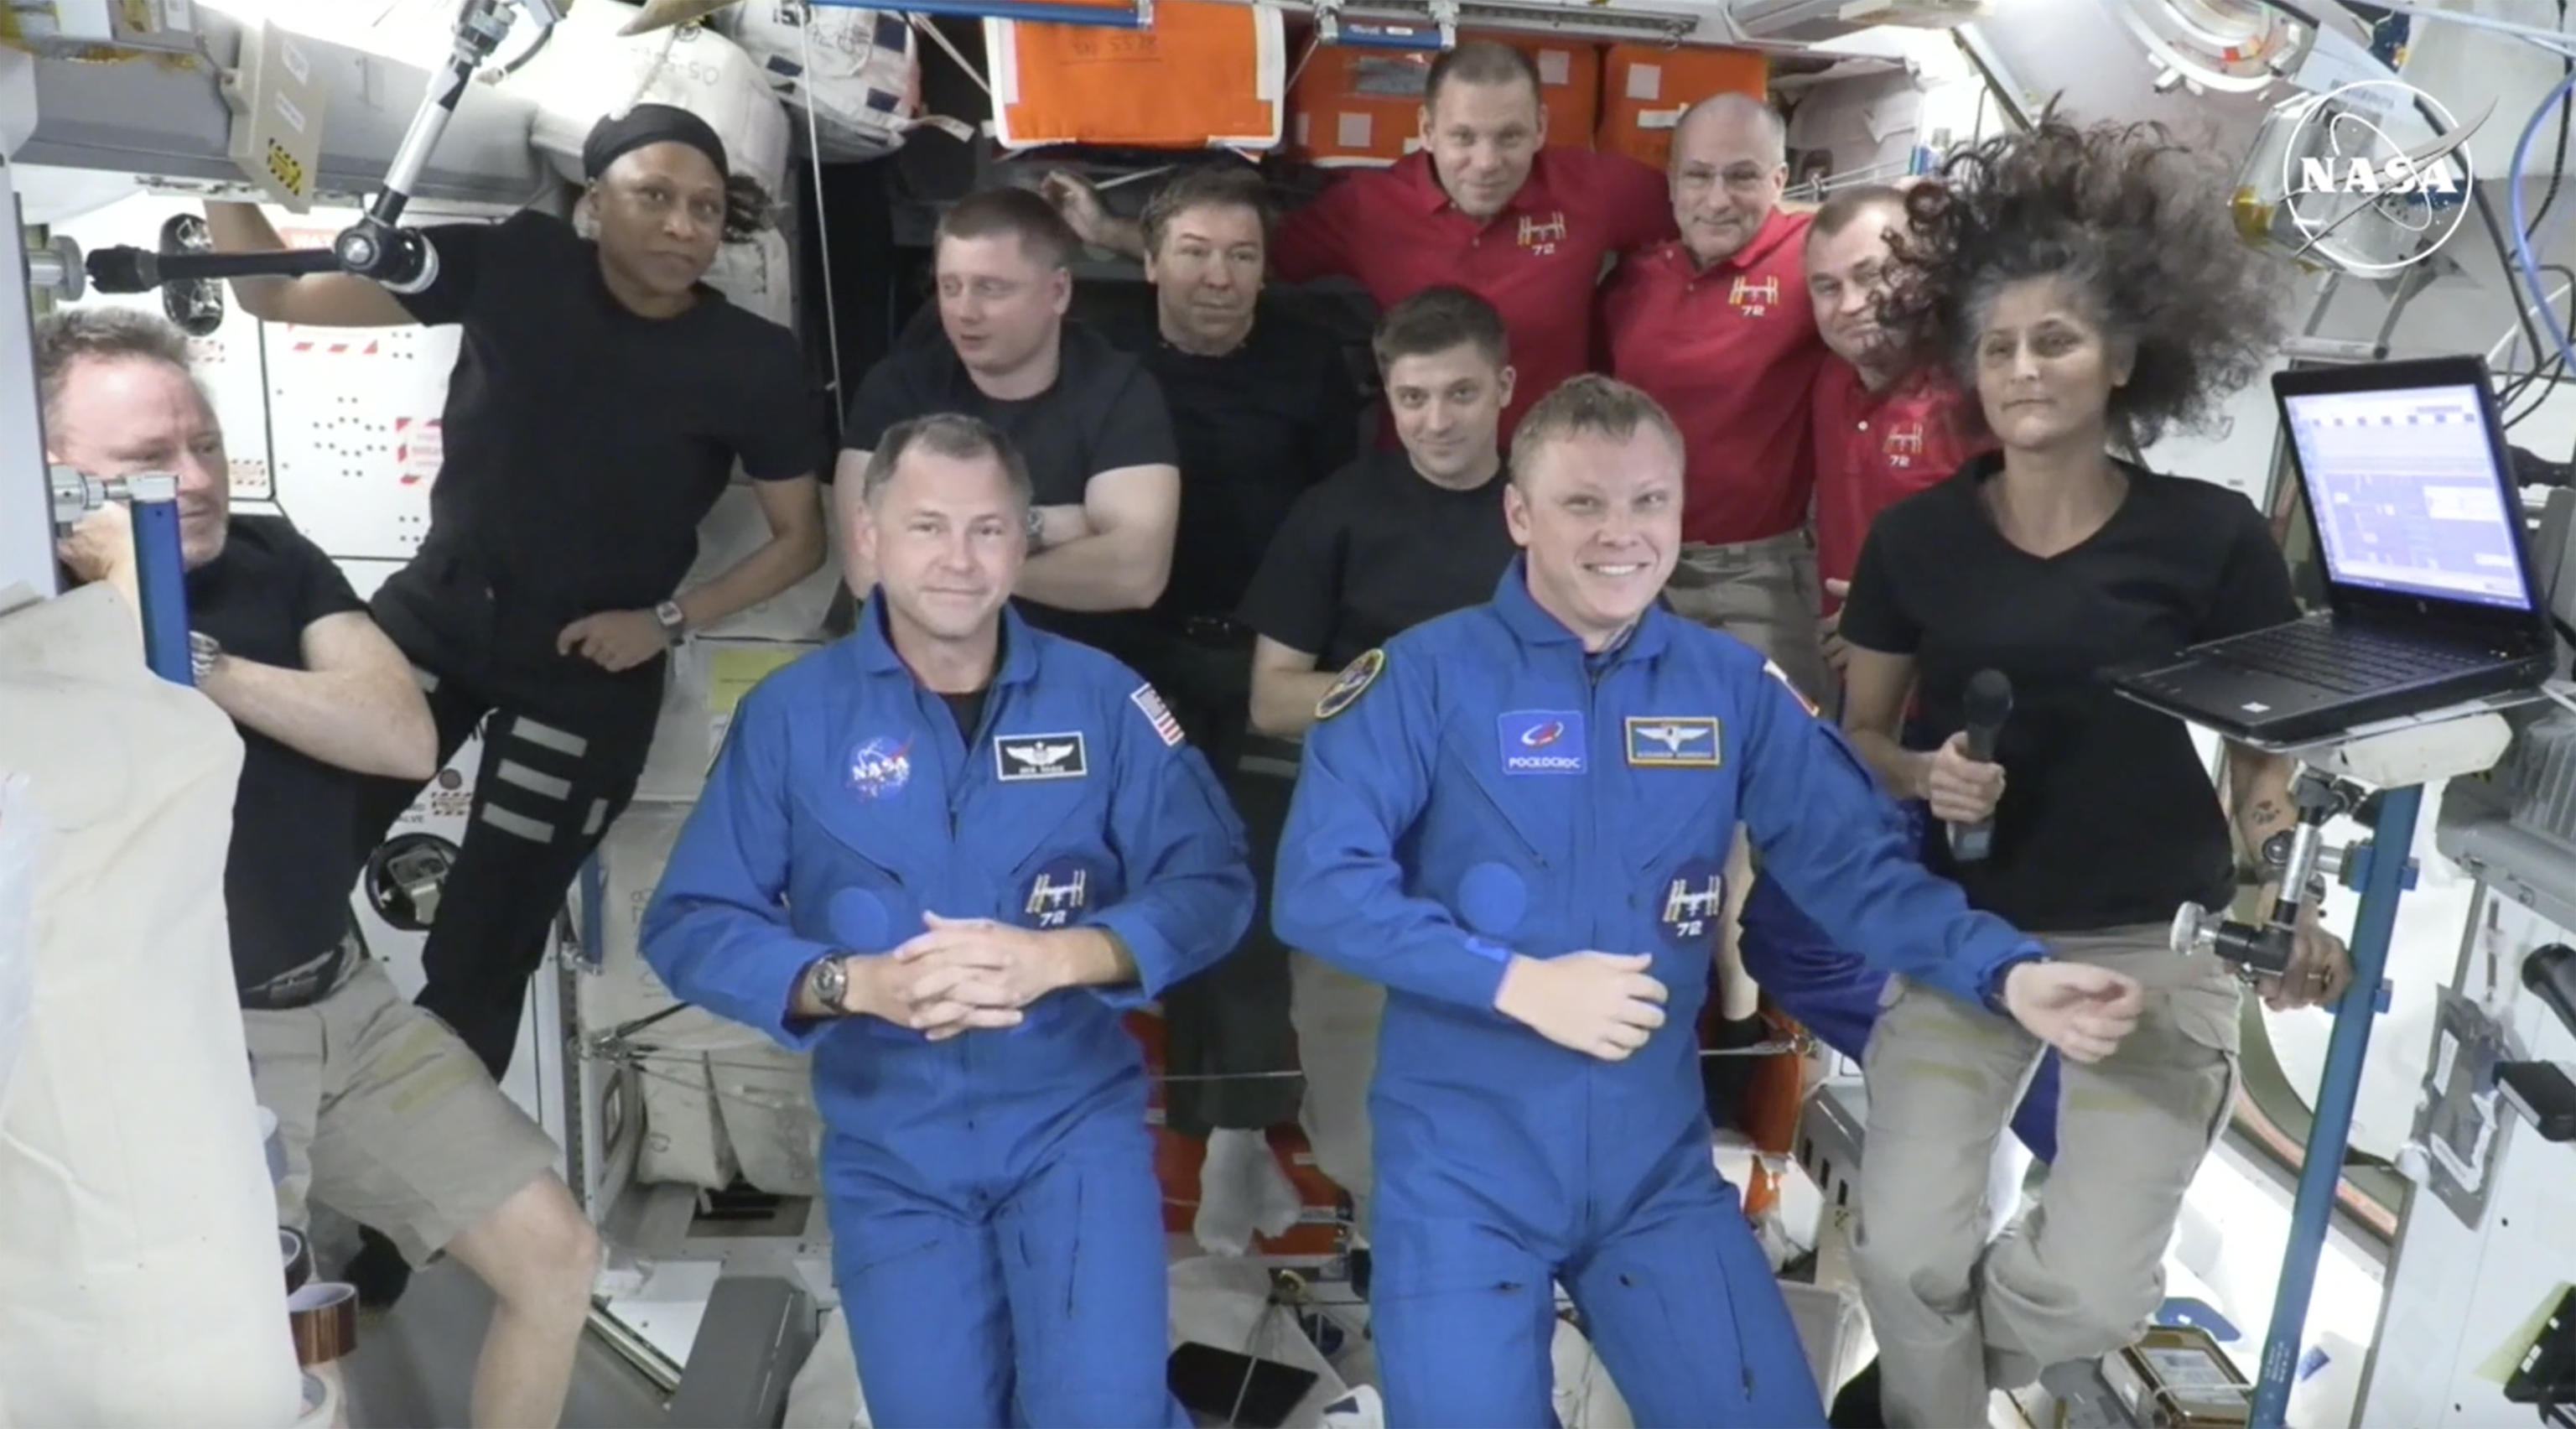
x,y
1835,995
1483,787
997,1227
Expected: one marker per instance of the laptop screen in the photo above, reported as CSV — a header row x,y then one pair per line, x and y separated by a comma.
x,y
2406,494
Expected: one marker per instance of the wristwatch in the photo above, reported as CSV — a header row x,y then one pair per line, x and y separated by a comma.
x,y
203,652
1037,530
675,621
829,981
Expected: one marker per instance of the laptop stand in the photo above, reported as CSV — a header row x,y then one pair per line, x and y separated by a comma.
x,y
2397,758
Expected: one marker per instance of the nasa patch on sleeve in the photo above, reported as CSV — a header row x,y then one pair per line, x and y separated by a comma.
x,y
1354,681
1021,757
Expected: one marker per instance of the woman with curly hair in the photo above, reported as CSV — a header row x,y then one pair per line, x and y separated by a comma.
x,y
2087,286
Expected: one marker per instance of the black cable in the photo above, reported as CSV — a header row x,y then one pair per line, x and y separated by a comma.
x,y
2547,369
2512,274
2557,169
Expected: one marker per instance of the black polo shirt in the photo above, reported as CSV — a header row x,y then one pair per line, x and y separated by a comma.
x,y
293,858
1257,427
2108,815
583,443
1374,552
1104,412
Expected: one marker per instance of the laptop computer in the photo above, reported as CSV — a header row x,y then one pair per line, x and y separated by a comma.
x,y
2418,524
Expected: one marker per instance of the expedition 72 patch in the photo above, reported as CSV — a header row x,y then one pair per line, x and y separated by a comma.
x,y
1355,678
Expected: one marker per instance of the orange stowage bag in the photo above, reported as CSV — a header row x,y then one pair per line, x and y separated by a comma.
x,y
1645,88
1353,106
1206,74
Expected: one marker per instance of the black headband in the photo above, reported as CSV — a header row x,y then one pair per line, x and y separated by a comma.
x,y
612,139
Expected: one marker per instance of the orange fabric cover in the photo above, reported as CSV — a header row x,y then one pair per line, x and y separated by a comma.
x,y
1645,88
1207,73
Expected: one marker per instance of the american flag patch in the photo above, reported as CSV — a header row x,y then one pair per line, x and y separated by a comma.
x,y
1157,713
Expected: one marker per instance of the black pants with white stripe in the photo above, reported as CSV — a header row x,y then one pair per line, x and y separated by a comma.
x,y
562,751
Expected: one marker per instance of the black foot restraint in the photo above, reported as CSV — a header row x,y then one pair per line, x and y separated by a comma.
x,y
377,1271
1857,1406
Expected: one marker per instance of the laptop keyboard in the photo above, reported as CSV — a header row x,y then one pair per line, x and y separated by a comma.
x,y
2344,660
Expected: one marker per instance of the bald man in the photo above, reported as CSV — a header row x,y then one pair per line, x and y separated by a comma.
x,y
1718,328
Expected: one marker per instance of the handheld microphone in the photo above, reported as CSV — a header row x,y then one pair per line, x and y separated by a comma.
x,y
1987,704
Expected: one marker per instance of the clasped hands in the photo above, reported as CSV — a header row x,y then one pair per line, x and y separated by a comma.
x,y
958,975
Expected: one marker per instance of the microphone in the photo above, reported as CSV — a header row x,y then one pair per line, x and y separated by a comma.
x,y
1987,704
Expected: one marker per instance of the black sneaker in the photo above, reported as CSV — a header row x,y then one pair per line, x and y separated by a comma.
x,y
1856,1407
377,1272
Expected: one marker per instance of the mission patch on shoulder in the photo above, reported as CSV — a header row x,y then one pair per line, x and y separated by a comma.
x,y
1773,669
1356,678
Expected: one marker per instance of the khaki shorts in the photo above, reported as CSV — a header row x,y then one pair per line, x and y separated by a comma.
x,y
387,1118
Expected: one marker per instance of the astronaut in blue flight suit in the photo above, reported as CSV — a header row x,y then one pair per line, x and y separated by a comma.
x,y
1516,818
946,854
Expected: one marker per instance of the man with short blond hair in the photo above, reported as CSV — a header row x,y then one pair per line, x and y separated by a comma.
x,y
1517,818
1087,418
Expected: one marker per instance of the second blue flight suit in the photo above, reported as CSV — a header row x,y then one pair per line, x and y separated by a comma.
x,y
1481,788
996,1223
1836,996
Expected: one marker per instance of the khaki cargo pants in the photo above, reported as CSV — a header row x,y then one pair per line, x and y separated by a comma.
x,y
1765,593
2080,1274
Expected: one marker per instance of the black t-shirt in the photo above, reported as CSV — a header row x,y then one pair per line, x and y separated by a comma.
x,y
1257,427
584,443
1374,552
2108,815
293,858
1103,413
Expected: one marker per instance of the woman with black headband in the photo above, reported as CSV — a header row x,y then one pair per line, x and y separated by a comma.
x,y
601,400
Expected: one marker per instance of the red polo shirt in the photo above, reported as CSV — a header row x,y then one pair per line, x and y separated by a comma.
x,y
1874,449
1732,353
1538,261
